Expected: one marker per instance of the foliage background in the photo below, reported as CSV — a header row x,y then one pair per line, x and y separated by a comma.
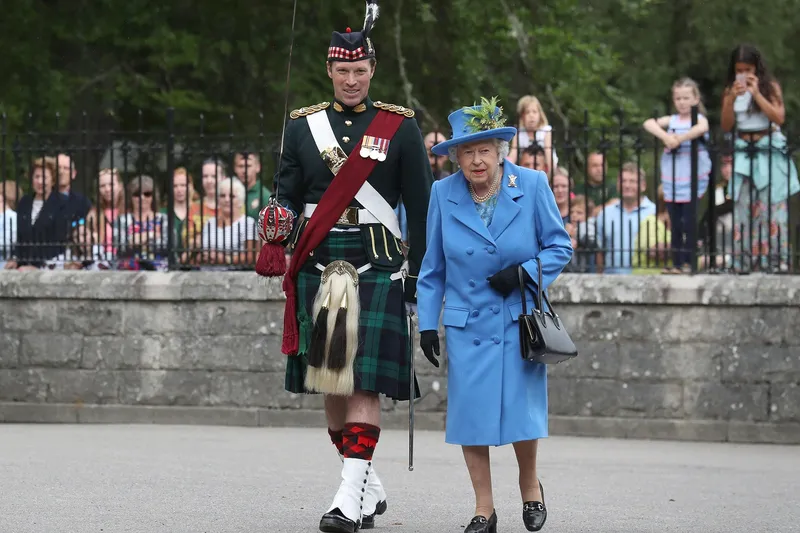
x,y
118,64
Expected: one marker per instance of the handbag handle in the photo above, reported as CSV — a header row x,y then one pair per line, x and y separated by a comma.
x,y
541,295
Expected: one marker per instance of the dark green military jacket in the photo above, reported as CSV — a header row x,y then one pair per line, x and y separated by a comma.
x,y
406,173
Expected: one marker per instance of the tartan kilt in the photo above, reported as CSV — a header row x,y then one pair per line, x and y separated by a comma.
x,y
382,360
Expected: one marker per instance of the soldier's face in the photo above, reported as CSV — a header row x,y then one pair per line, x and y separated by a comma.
x,y
351,80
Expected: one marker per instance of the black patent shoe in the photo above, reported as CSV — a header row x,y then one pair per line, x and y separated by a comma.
x,y
534,514
480,524
368,521
336,522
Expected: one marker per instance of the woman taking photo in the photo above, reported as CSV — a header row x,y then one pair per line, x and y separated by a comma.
x,y
762,183
496,216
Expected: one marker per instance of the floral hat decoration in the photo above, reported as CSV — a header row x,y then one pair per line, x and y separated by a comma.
x,y
476,123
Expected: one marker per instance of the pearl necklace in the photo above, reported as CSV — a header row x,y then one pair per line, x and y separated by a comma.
x,y
492,190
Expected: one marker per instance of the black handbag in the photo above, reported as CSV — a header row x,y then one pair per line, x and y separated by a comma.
x,y
542,336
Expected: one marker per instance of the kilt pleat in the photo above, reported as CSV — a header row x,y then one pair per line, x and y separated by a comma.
x,y
382,360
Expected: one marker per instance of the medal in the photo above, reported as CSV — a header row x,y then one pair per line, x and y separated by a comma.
x,y
374,148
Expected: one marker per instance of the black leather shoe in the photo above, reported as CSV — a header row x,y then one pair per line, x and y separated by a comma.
x,y
534,514
336,522
368,521
480,524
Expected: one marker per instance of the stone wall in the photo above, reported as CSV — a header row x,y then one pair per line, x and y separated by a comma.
x,y
700,358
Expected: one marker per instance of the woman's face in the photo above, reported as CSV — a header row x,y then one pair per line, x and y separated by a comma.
x,y
109,188
180,187
227,202
211,173
479,161
42,181
561,189
531,118
142,201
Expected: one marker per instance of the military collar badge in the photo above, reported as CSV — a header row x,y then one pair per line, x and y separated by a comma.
x,y
339,108
374,148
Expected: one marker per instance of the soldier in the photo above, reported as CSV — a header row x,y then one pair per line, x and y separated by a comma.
x,y
346,164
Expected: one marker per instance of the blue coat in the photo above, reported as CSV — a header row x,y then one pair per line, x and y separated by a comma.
x,y
494,397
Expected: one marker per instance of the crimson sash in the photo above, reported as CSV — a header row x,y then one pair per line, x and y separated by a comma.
x,y
334,201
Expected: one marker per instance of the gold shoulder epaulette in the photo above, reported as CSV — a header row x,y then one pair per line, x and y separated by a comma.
x,y
400,110
305,111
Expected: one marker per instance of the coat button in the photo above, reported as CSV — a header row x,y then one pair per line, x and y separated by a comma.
x,y
490,249
496,339
476,342
472,283
470,251
475,313
495,309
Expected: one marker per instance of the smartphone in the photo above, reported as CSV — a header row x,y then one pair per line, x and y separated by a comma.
x,y
741,78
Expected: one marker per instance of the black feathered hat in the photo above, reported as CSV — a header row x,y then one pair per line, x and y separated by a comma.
x,y
355,45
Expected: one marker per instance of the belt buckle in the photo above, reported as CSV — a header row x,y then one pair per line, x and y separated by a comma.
x,y
349,217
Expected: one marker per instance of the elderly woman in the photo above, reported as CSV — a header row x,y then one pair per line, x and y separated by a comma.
x,y
230,238
496,216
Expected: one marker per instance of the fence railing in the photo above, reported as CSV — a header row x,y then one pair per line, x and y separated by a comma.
x,y
164,199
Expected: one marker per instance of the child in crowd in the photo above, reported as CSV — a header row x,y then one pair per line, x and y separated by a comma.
x,y
533,128
676,132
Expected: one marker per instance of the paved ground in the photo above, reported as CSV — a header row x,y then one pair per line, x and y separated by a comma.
x,y
181,479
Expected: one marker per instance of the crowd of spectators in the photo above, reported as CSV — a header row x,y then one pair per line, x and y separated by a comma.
x,y
619,221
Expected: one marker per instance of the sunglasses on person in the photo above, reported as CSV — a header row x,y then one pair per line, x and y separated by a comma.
x,y
146,194
76,223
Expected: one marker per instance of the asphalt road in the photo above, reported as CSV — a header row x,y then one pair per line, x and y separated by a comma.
x,y
189,479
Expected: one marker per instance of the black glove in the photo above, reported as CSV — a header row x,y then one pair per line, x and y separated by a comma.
x,y
429,342
507,280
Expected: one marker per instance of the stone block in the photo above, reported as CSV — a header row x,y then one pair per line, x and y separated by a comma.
x,y
164,387
293,418
759,363
639,428
230,286
51,350
81,386
23,385
764,433
596,359
27,316
38,413
433,395
785,402
607,397
234,318
85,317
313,401
690,361
726,401
253,352
9,350
132,352
251,389
157,318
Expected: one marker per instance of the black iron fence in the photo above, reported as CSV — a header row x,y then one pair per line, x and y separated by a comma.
x,y
172,199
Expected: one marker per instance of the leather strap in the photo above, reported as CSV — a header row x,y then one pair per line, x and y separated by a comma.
x,y
540,292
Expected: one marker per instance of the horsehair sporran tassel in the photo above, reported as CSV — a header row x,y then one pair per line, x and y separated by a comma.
x,y
337,355
338,284
319,332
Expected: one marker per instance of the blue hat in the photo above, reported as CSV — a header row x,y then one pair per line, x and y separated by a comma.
x,y
476,123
